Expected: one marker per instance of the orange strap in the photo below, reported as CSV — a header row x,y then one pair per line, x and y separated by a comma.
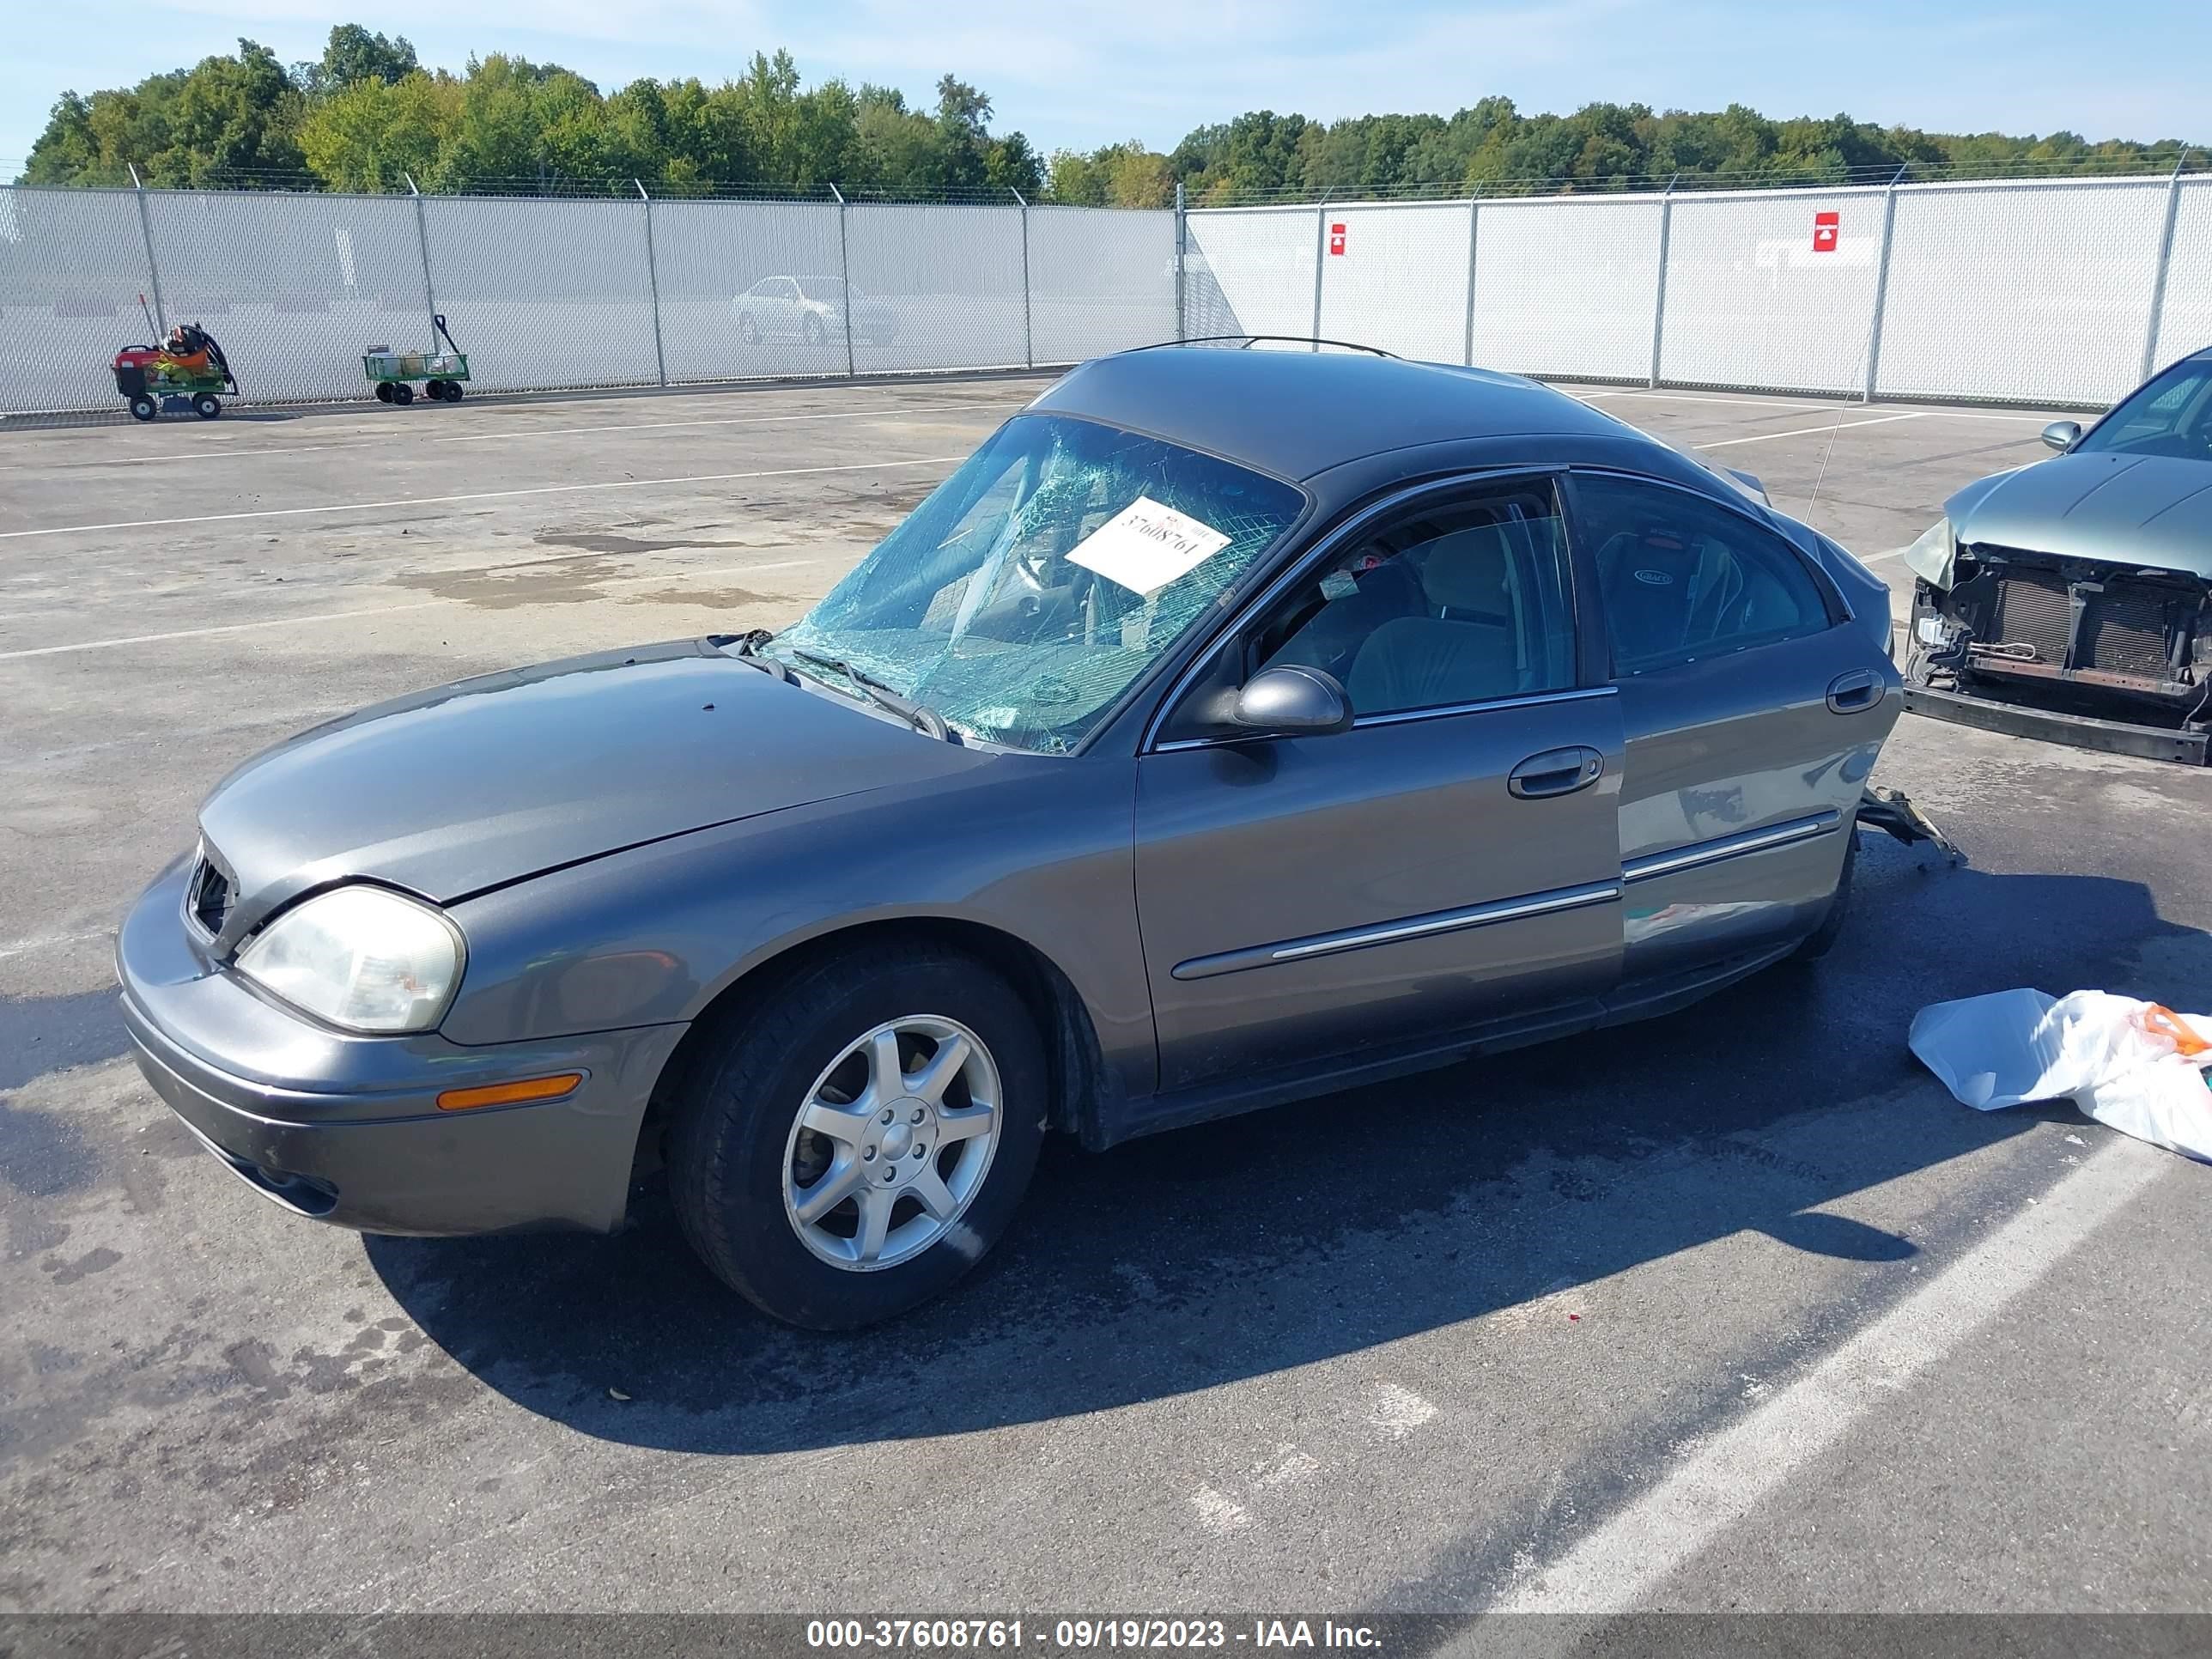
x,y
2165,1022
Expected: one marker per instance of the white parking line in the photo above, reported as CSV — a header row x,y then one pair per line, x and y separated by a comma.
x,y
219,628
1790,408
25,947
1778,407
1397,1410
680,573
369,440
1619,1567
483,495
1810,431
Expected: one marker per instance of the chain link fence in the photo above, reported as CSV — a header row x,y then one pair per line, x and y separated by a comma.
x,y
2042,291
2059,291
564,293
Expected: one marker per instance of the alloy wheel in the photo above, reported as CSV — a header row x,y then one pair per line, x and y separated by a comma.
x,y
892,1143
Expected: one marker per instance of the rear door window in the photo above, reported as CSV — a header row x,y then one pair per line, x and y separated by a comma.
x,y
1685,579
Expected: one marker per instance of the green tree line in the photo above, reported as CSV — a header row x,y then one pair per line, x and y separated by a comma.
x,y
367,115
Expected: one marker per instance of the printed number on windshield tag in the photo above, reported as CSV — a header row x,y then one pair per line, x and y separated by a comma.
x,y
1146,546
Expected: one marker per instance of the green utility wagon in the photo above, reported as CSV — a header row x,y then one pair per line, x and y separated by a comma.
x,y
440,372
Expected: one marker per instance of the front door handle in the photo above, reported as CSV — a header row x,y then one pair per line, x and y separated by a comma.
x,y
1850,693
1555,772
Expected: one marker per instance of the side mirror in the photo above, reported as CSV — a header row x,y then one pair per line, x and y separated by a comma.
x,y
1292,703
2062,436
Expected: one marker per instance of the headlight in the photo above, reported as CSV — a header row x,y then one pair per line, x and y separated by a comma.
x,y
1930,557
362,957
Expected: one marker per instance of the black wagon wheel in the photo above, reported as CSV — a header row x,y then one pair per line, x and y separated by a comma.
x,y
402,392
383,392
207,405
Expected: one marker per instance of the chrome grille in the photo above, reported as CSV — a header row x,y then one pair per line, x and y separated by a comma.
x,y
208,895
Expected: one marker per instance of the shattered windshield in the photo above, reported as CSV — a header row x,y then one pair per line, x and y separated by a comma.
x,y
1032,587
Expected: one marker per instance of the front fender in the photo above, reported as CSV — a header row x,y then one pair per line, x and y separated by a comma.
x,y
1036,848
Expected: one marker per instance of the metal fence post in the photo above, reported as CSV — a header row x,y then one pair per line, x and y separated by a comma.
x,y
422,237
653,281
153,271
1183,231
1659,299
844,278
1321,262
1028,346
1881,282
2165,262
1473,221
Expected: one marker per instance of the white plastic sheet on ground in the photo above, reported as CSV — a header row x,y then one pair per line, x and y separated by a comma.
x,y
2134,1065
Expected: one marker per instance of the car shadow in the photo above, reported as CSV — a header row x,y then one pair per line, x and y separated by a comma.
x,y
1260,1244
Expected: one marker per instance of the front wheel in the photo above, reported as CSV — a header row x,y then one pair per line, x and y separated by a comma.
x,y
143,409
402,392
856,1143
452,391
207,405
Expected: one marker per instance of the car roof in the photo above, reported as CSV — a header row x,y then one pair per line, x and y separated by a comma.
x,y
1298,413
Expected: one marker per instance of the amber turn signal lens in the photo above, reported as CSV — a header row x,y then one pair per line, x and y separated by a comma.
x,y
510,1094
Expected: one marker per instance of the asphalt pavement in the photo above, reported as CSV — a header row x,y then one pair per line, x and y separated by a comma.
x,y
1733,1311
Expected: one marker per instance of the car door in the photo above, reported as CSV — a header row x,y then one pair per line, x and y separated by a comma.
x,y
1450,860
783,305
1752,710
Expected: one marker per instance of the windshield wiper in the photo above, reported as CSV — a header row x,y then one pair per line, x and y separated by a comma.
x,y
920,716
746,649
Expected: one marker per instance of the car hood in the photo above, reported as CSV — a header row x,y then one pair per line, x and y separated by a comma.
x,y
487,780
2152,511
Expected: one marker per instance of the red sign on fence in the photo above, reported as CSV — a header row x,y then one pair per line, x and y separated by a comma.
x,y
1826,228
1336,238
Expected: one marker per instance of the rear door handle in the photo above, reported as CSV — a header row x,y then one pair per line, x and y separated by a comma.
x,y
1555,772
1850,693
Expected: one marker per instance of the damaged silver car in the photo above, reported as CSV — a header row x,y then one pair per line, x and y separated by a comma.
x,y
2073,600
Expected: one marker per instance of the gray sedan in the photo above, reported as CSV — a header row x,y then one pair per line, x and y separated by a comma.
x,y
2073,600
1233,727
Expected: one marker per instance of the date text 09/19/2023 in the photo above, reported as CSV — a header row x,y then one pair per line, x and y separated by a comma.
x,y
1084,1635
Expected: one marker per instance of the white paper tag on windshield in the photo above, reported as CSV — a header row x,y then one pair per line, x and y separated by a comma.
x,y
1146,546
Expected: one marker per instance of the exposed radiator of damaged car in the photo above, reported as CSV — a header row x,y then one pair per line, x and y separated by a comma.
x,y
2132,627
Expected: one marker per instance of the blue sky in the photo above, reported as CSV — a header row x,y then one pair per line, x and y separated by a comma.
x,y
1083,72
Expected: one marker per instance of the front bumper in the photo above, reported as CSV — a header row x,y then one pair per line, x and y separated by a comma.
x,y
346,1129
2192,748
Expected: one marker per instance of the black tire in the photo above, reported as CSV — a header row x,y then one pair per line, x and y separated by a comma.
x,y
435,390
729,1136
207,405
1822,940
813,330
144,409
452,391
402,392
383,392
